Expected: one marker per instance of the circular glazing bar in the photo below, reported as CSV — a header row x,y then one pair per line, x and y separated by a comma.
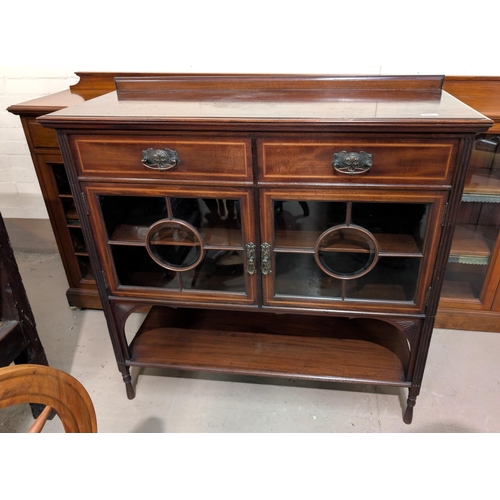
x,y
346,251
175,245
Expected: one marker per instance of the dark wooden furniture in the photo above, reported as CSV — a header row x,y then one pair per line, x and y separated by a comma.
x,y
19,340
470,298
293,226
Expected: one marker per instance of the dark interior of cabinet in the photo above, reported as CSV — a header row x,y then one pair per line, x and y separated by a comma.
x,y
293,218
69,208
134,267
399,229
61,178
393,279
79,260
200,232
86,270
77,240
132,214
261,343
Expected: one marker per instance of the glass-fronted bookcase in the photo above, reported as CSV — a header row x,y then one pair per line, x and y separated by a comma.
x,y
470,297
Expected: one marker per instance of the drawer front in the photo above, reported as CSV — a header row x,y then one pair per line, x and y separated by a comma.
x,y
200,159
398,161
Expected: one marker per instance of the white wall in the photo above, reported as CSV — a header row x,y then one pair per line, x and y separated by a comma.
x,y
42,43
20,195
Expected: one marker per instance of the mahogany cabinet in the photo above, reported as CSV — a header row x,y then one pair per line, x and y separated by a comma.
x,y
293,226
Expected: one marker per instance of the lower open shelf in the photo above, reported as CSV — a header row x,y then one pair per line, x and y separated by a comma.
x,y
261,343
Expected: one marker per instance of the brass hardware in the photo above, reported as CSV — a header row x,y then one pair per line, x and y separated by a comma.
x,y
160,159
352,163
250,258
265,258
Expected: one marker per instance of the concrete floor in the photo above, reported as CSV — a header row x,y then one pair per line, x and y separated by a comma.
x,y
460,391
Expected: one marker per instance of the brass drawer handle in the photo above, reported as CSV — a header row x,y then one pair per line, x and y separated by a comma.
x,y
265,258
160,159
352,163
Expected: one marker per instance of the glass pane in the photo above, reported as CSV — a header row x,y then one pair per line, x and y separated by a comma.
x,y
391,222
70,211
483,173
464,281
77,239
393,278
174,245
217,220
135,267
85,269
346,264
298,274
180,256
478,223
61,178
128,217
346,252
298,224
220,270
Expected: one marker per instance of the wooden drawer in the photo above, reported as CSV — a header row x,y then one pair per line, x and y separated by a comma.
x,y
394,161
200,158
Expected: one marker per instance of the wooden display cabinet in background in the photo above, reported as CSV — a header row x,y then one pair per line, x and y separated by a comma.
x,y
470,298
49,167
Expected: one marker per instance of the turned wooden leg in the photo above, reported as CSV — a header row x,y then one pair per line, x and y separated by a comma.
x,y
128,385
410,404
408,416
120,314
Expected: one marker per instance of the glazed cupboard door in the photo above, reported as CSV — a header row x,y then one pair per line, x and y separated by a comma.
x,y
473,270
67,228
172,243
349,248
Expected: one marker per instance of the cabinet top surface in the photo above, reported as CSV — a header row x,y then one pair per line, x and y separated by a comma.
x,y
246,101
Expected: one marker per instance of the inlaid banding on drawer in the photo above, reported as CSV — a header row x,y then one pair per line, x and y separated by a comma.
x,y
393,162
201,159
